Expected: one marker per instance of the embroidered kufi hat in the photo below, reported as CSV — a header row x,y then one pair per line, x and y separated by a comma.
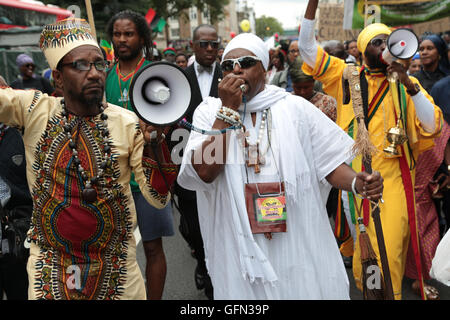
x,y
57,39
370,32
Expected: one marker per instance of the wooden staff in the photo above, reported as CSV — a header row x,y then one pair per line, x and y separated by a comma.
x,y
389,292
90,18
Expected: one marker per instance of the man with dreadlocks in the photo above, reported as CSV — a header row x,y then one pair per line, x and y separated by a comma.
x,y
131,38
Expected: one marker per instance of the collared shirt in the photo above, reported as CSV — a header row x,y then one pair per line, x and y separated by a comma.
x,y
204,79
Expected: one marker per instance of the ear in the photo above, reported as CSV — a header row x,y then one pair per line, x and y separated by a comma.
x,y
58,79
191,43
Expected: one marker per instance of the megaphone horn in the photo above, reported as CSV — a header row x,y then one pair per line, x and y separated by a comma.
x,y
160,94
401,44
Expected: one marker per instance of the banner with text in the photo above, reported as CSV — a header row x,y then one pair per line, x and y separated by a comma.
x,y
331,17
394,12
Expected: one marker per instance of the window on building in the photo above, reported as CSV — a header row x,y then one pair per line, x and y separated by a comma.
x,y
175,32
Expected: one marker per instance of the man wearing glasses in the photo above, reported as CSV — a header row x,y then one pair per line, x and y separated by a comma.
x,y
28,79
421,120
80,153
204,75
283,140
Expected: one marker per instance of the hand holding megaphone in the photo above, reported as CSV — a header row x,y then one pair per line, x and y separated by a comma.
x,y
231,90
153,134
400,70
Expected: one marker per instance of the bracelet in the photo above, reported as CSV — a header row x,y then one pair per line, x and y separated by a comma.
x,y
354,188
229,112
228,117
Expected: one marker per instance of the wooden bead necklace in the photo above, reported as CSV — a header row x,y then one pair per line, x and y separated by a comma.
x,y
89,193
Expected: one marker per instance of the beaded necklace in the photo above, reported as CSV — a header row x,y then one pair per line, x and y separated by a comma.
x,y
89,193
255,156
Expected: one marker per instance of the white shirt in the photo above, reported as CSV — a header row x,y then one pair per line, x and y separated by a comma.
x,y
204,80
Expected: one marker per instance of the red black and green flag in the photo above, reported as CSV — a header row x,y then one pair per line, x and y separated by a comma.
x,y
155,21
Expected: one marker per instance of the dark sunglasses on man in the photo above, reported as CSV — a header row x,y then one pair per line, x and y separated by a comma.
x,y
205,43
377,42
243,63
30,66
83,65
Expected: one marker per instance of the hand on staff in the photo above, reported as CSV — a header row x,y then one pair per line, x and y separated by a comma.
x,y
230,92
401,72
370,186
153,134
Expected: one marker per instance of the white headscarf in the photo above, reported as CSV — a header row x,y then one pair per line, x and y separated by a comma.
x,y
252,43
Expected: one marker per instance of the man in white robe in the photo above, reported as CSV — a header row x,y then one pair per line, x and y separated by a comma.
x,y
302,148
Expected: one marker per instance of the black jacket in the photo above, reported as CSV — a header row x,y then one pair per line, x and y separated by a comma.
x,y
196,93
13,168
196,99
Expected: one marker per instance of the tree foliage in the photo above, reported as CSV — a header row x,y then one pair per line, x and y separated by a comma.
x,y
267,26
104,10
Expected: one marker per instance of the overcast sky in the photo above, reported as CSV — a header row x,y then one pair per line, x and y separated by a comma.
x,y
287,12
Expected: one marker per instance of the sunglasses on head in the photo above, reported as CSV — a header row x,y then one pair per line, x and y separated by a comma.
x,y
377,42
205,43
83,65
243,63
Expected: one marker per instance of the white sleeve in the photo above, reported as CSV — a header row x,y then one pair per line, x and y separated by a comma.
x,y
424,111
307,44
440,267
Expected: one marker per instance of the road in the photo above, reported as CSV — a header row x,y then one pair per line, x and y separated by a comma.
x,y
180,272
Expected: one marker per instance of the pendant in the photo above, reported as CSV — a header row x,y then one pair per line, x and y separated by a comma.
x,y
253,155
89,195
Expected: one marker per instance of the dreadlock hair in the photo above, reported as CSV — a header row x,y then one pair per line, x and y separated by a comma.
x,y
142,28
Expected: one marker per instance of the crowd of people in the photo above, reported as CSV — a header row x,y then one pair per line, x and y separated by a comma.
x,y
259,197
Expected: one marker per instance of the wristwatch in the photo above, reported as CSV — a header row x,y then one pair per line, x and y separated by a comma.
x,y
415,91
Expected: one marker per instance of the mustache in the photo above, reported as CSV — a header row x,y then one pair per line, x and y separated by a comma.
x,y
121,46
90,85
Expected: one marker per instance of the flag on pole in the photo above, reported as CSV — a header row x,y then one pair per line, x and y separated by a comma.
x,y
155,21
150,15
108,49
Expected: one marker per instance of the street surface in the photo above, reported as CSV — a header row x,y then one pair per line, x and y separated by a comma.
x,y
180,272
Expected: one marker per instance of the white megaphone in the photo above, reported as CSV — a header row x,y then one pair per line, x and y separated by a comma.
x,y
160,94
401,44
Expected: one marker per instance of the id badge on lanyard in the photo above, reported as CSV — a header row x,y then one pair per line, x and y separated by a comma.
x,y
266,206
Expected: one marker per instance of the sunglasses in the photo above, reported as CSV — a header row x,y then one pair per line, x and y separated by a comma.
x,y
29,65
205,43
243,63
377,42
83,65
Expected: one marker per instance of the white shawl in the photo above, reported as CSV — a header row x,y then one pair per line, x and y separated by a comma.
x,y
253,262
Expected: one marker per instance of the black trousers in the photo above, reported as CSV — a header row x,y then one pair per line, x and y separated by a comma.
x,y
13,278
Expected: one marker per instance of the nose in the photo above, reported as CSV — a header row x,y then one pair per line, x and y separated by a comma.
x,y
93,73
236,68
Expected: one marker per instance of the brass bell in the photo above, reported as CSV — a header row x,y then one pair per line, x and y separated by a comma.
x,y
396,136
